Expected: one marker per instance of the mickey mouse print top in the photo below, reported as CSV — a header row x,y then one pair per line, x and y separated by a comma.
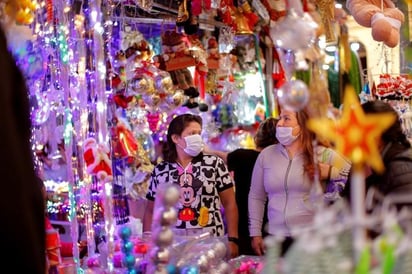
x,y
199,205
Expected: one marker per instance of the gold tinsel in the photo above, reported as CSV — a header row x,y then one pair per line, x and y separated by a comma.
x,y
19,11
326,9
319,101
344,50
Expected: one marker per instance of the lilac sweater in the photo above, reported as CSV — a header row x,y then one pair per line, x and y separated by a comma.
x,y
282,181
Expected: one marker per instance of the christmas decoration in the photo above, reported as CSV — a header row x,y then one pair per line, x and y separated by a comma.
x,y
382,16
355,134
97,159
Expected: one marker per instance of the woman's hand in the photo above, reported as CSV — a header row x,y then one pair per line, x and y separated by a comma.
x,y
324,171
233,249
258,245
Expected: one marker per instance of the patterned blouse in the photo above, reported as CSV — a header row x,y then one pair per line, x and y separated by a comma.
x,y
199,205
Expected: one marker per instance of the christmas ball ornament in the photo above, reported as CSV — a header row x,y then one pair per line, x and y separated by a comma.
x,y
293,95
163,236
166,216
203,263
296,31
125,232
172,269
177,99
223,268
127,247
171,196
129,260
220,249
160,255
190,270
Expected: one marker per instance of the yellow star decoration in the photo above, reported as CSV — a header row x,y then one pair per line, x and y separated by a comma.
x,y
355,133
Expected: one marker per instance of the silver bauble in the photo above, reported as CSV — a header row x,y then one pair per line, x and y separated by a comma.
x,y
160,255
203,263
220,250
171,195
162,236
165,216
293,95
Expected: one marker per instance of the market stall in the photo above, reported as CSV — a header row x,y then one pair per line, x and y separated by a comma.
x,y
107,77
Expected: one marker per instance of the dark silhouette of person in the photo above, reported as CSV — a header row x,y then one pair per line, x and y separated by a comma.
x,y
22,205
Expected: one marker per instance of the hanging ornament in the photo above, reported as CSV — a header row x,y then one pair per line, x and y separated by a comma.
x,y
226,39
293,95
319,101
124,142
355,134
296,31
97,159
41,108
153,120
326,10
278,73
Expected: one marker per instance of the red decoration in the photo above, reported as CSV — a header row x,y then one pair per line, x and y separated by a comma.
x,y
196,7
153,120
278,73
97,159
122,101
49,10
53,246
126,145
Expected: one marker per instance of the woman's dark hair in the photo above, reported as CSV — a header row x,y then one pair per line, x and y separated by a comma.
x,y
395,132
177,125
266,133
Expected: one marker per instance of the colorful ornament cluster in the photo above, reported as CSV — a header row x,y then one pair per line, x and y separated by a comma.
x,y
393,87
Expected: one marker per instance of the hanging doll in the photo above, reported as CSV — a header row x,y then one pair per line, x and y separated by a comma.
x,y
213,65
382,16
176,59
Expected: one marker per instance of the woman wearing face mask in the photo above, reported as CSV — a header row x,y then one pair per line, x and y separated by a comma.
x,y
205,184
284,174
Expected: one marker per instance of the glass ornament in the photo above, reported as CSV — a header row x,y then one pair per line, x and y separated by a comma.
x,y
296,31
293,95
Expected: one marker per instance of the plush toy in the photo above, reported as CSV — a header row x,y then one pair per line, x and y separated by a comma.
x,y
176,59
382,16
97,159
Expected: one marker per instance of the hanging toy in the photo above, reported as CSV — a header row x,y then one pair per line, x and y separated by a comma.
x,y
97,159
382,16
176,59
213,58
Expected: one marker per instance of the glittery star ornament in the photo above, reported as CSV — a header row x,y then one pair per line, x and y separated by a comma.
x,y
355,134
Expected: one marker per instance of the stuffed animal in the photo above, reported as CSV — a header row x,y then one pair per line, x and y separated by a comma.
x,y
382,16
97,159
176,59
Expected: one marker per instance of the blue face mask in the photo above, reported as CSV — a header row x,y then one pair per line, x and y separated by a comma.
x,y
194,145
285,136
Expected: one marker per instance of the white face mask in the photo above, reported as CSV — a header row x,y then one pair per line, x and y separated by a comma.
x,y
194,145
285,136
